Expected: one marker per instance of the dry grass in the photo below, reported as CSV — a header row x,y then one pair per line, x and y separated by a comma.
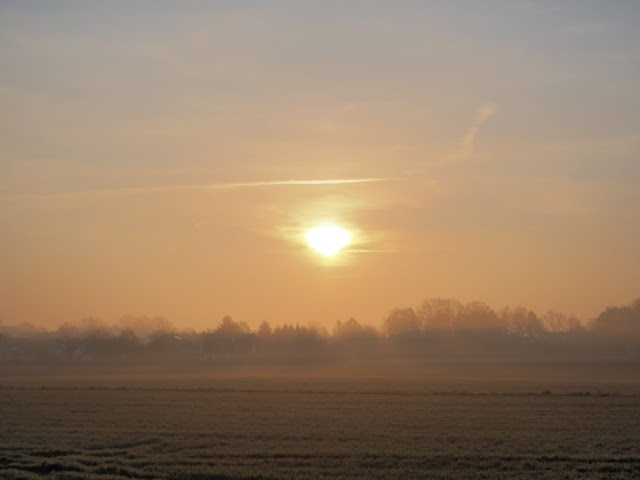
x,y
223,428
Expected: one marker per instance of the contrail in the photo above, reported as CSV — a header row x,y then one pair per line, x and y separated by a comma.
x,y
209,186
370,250
333,181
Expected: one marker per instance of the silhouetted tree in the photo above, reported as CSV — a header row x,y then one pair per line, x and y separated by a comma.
x,y
402,322
144,326
476,316
352,329
128,343
264,330
557,322
439,314
619,321
228,327
522,322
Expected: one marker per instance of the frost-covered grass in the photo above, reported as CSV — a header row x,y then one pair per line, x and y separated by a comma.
x,y
215,428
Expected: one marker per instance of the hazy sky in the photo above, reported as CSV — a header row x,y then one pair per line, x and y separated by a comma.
x,y
157,157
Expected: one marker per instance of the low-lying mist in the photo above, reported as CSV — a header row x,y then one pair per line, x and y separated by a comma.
x,y
438,331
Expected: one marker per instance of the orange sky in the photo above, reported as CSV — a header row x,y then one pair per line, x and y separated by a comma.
x,y
162,159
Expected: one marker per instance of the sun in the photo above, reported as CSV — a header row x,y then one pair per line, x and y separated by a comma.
x,y
328,239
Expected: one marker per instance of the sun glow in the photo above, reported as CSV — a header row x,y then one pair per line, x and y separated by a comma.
x,y
328,239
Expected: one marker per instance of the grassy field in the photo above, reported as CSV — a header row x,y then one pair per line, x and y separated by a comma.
x,y
205,427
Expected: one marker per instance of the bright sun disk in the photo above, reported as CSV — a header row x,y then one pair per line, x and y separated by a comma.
x,y
329,239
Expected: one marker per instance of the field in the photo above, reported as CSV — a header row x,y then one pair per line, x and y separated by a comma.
x,y
295,427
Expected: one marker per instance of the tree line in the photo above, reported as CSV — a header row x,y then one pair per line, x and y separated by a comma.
x,y
437,329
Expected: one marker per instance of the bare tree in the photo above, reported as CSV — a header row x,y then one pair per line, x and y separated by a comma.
x,y
402,322
477,315
439,314
522,322
557,322
353,329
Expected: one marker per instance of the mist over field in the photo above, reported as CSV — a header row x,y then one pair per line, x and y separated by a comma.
x,y
436,331
502,401
444,390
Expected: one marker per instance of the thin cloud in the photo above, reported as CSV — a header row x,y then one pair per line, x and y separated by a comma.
x,y
370,250
468,144
483,113
210,186
335,181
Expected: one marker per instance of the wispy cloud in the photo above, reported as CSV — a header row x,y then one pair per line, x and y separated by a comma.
x,y
334,181
483,113
123,191
371,250
467,144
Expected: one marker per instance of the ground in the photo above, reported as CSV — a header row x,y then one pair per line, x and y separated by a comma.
x,y
296,427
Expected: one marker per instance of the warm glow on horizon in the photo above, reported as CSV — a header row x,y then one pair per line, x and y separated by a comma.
x,y
328,239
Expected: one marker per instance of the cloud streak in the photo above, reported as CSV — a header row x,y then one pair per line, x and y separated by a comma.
x,y
123,191
371,250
